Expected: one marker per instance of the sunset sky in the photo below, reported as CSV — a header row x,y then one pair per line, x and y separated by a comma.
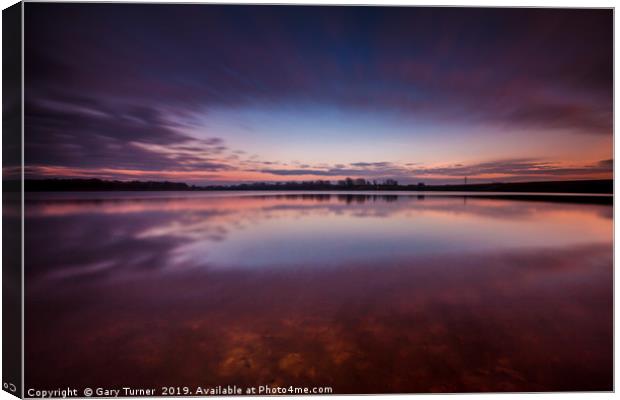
x,y
224,94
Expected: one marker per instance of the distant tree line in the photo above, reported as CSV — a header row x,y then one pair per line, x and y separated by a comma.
x,y
349,184
45,185
345,184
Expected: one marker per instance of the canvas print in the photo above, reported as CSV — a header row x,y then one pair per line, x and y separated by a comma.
x,y
287,199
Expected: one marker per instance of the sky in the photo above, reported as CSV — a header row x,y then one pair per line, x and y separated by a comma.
x,y
221,94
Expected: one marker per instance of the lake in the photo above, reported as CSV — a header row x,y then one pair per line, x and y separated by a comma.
x,y
362,292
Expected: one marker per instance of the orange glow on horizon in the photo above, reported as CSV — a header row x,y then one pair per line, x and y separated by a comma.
x,y
240,176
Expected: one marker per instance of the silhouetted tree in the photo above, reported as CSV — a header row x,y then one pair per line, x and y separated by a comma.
x,y
390,182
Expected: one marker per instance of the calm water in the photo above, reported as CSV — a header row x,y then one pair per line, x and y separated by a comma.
x,y
364,293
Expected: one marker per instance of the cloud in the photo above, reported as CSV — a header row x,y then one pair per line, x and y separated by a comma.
x,y
516,167
292,172
370,164
507,169
86,133
561,115
359,169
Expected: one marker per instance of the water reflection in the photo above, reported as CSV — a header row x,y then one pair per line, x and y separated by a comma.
x,y
364,293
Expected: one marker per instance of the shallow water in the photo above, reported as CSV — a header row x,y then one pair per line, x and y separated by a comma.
x,y
366,293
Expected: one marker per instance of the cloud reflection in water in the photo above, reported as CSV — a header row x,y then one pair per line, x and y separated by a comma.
x,y
385,294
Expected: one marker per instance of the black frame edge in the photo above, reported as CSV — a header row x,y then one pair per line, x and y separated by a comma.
x,y
12,203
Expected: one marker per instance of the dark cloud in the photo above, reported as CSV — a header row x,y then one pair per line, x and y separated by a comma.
x,y
84,132
286,172
574,116
360,169
514,169
371,164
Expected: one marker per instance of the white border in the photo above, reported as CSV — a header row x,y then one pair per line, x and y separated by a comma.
x,y
479,3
